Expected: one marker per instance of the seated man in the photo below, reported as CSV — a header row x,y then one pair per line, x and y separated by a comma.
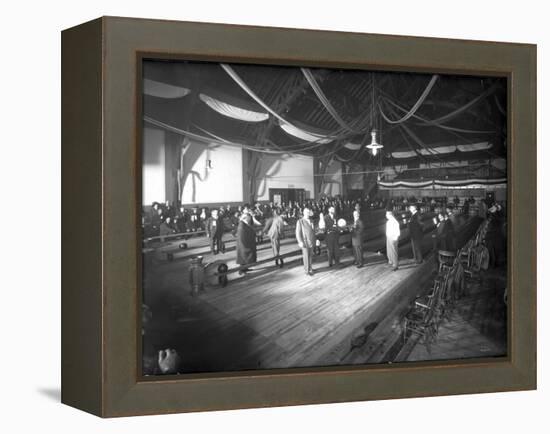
x,y
166,227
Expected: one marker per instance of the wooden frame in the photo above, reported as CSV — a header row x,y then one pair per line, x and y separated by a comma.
x,y
100,241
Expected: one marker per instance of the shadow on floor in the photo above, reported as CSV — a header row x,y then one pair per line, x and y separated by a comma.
x,y
52,393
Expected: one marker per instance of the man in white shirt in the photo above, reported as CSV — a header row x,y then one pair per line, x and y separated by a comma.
x,y
392,240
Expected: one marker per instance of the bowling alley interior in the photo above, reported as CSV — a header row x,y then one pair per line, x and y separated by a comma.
x,y
297,217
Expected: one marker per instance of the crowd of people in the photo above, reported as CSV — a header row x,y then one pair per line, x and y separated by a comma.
x,y
311,219
247,222
162,219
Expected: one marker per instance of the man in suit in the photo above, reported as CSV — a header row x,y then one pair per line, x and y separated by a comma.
x,y
392,240
182,219
246,241
332,235
274,228
416,233
305,235
357,239
214,231
166,228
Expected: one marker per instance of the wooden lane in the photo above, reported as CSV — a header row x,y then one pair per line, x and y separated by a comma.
x,y
264,254
196,243
281,317
373,232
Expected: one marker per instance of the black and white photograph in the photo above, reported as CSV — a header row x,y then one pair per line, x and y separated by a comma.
x,y
299,217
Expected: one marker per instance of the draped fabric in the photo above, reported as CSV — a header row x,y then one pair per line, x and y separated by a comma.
x,y
465,107
213,139
474,147
353,146
499,106
304,135
326,103
232,111
290,126
482,146
424,121
416,105
163,90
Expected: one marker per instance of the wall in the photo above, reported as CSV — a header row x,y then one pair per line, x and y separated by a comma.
x,y
292,172
222,183
153,172
332,184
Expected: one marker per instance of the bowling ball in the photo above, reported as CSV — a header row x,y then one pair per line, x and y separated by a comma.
x,y
341,223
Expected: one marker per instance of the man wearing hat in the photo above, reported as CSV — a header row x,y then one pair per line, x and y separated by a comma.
x,y
416,233
357,238
214,231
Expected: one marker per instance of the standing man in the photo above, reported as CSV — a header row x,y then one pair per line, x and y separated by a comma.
x,y
357,239
246,241
305,235
416,233
214,231
274,229
392,240
332,234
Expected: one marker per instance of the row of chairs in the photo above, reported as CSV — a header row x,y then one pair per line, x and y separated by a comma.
x,y
454,272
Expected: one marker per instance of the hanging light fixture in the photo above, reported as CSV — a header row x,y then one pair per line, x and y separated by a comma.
x,y
374,145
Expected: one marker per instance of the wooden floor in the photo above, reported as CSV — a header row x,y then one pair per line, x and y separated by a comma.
x,y
275,318
476,326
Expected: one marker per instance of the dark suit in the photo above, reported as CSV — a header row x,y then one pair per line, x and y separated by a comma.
x,y
416,233
214,231
357,241
305,235
182,219
156,220
166,229
332,234
246,242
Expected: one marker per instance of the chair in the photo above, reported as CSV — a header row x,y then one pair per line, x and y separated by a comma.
x,y
446,260
423,319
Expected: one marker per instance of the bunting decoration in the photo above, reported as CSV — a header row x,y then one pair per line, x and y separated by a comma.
x,y
444,183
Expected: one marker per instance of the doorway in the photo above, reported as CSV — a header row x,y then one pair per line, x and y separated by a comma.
x,y
285,195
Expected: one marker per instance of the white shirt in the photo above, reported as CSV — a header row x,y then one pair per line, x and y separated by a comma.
x,y
392,229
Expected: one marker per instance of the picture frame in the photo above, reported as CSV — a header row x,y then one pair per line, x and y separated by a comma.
x,y
101,242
